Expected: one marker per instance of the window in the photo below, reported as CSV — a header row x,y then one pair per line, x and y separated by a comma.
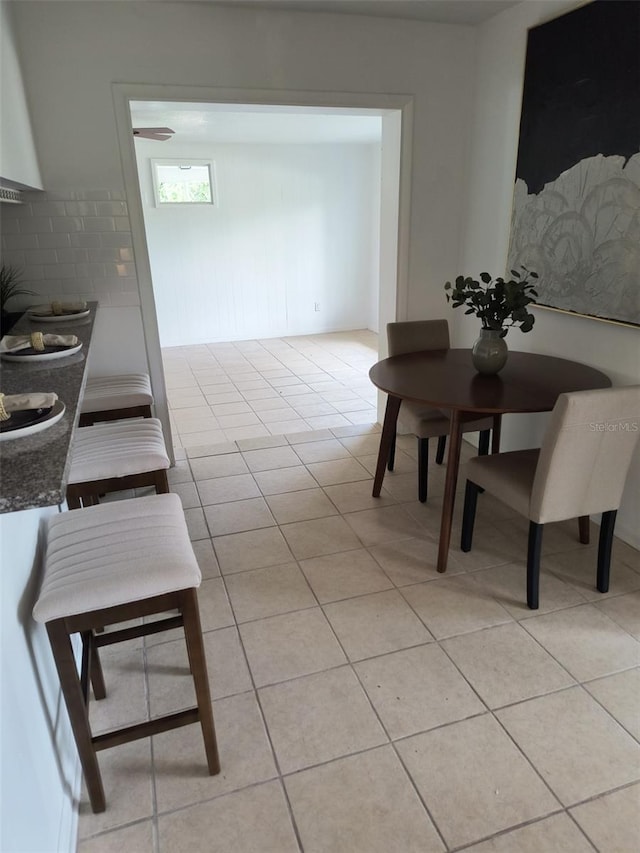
x,y
183,182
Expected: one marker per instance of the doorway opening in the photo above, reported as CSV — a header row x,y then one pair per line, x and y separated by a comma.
x,y
254,313
260,222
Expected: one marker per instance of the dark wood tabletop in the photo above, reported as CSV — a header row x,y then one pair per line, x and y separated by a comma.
x,y
447,380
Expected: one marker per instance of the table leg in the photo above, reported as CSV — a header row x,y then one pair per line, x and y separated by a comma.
x,y
388,430
495,436
451,480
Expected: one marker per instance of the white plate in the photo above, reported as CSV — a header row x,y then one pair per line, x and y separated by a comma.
x,y
51,418
27,358
57,318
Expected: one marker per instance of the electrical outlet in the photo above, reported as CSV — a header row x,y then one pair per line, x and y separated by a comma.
x,y
316,306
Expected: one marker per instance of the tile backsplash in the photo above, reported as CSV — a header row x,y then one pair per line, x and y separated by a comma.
x,y
72,245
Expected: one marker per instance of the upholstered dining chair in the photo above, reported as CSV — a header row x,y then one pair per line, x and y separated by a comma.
x,y
580,470
416,418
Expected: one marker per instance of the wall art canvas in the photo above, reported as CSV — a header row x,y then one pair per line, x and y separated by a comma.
x,y
576,208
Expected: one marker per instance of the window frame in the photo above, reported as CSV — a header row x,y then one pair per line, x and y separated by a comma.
x,y
183,161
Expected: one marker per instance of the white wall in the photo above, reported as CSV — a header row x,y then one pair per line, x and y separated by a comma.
x,y
492,163
18,160
39,765
293,225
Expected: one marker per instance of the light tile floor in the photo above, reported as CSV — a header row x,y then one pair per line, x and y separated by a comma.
x,y
248,389
363,702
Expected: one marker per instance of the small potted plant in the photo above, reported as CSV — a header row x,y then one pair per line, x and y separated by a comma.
x,y
500,304
10,286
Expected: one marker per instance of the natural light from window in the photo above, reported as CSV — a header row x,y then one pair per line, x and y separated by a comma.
x,y
183,182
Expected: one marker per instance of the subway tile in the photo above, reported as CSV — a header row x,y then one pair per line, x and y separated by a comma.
x,y
52,241
32,272
24,241
93,195
116,240
99,224
85,241
10,225
111,208
36,225
48,208
69,224
59,271
80,208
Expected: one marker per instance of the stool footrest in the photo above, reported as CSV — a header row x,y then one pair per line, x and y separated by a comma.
x,y
146,729
136,631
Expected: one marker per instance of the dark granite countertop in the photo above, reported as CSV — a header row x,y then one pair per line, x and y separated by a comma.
x,y
34,468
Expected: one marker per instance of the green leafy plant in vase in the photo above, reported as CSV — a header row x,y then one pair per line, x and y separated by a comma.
x,y
500,304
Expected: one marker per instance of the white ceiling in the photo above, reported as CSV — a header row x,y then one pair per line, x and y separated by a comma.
x,y
234,123
435,11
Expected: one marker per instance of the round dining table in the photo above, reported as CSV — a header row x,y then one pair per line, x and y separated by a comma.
x,y
447,380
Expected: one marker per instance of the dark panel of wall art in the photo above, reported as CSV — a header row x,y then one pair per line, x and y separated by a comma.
x,y
576,206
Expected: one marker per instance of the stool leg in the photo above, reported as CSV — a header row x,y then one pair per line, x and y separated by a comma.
x,y
76,708
73,500
162,483
195,648
97,676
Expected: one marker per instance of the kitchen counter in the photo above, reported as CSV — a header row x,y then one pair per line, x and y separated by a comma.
x,y
34,469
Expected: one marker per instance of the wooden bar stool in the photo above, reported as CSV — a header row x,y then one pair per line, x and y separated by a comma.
x,y
111,398
112,457
107,565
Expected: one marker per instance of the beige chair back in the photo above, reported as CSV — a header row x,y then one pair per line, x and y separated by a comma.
x,y
417,335
586,454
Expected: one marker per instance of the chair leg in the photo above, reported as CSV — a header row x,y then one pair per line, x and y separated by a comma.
x,y
583,529
197,661
423,468
392,452
484,439
534,550
605,543
76,708
469,515
442,446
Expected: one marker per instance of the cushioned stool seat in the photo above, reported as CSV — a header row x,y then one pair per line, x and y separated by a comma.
x,y
109,398
115,456
106,565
